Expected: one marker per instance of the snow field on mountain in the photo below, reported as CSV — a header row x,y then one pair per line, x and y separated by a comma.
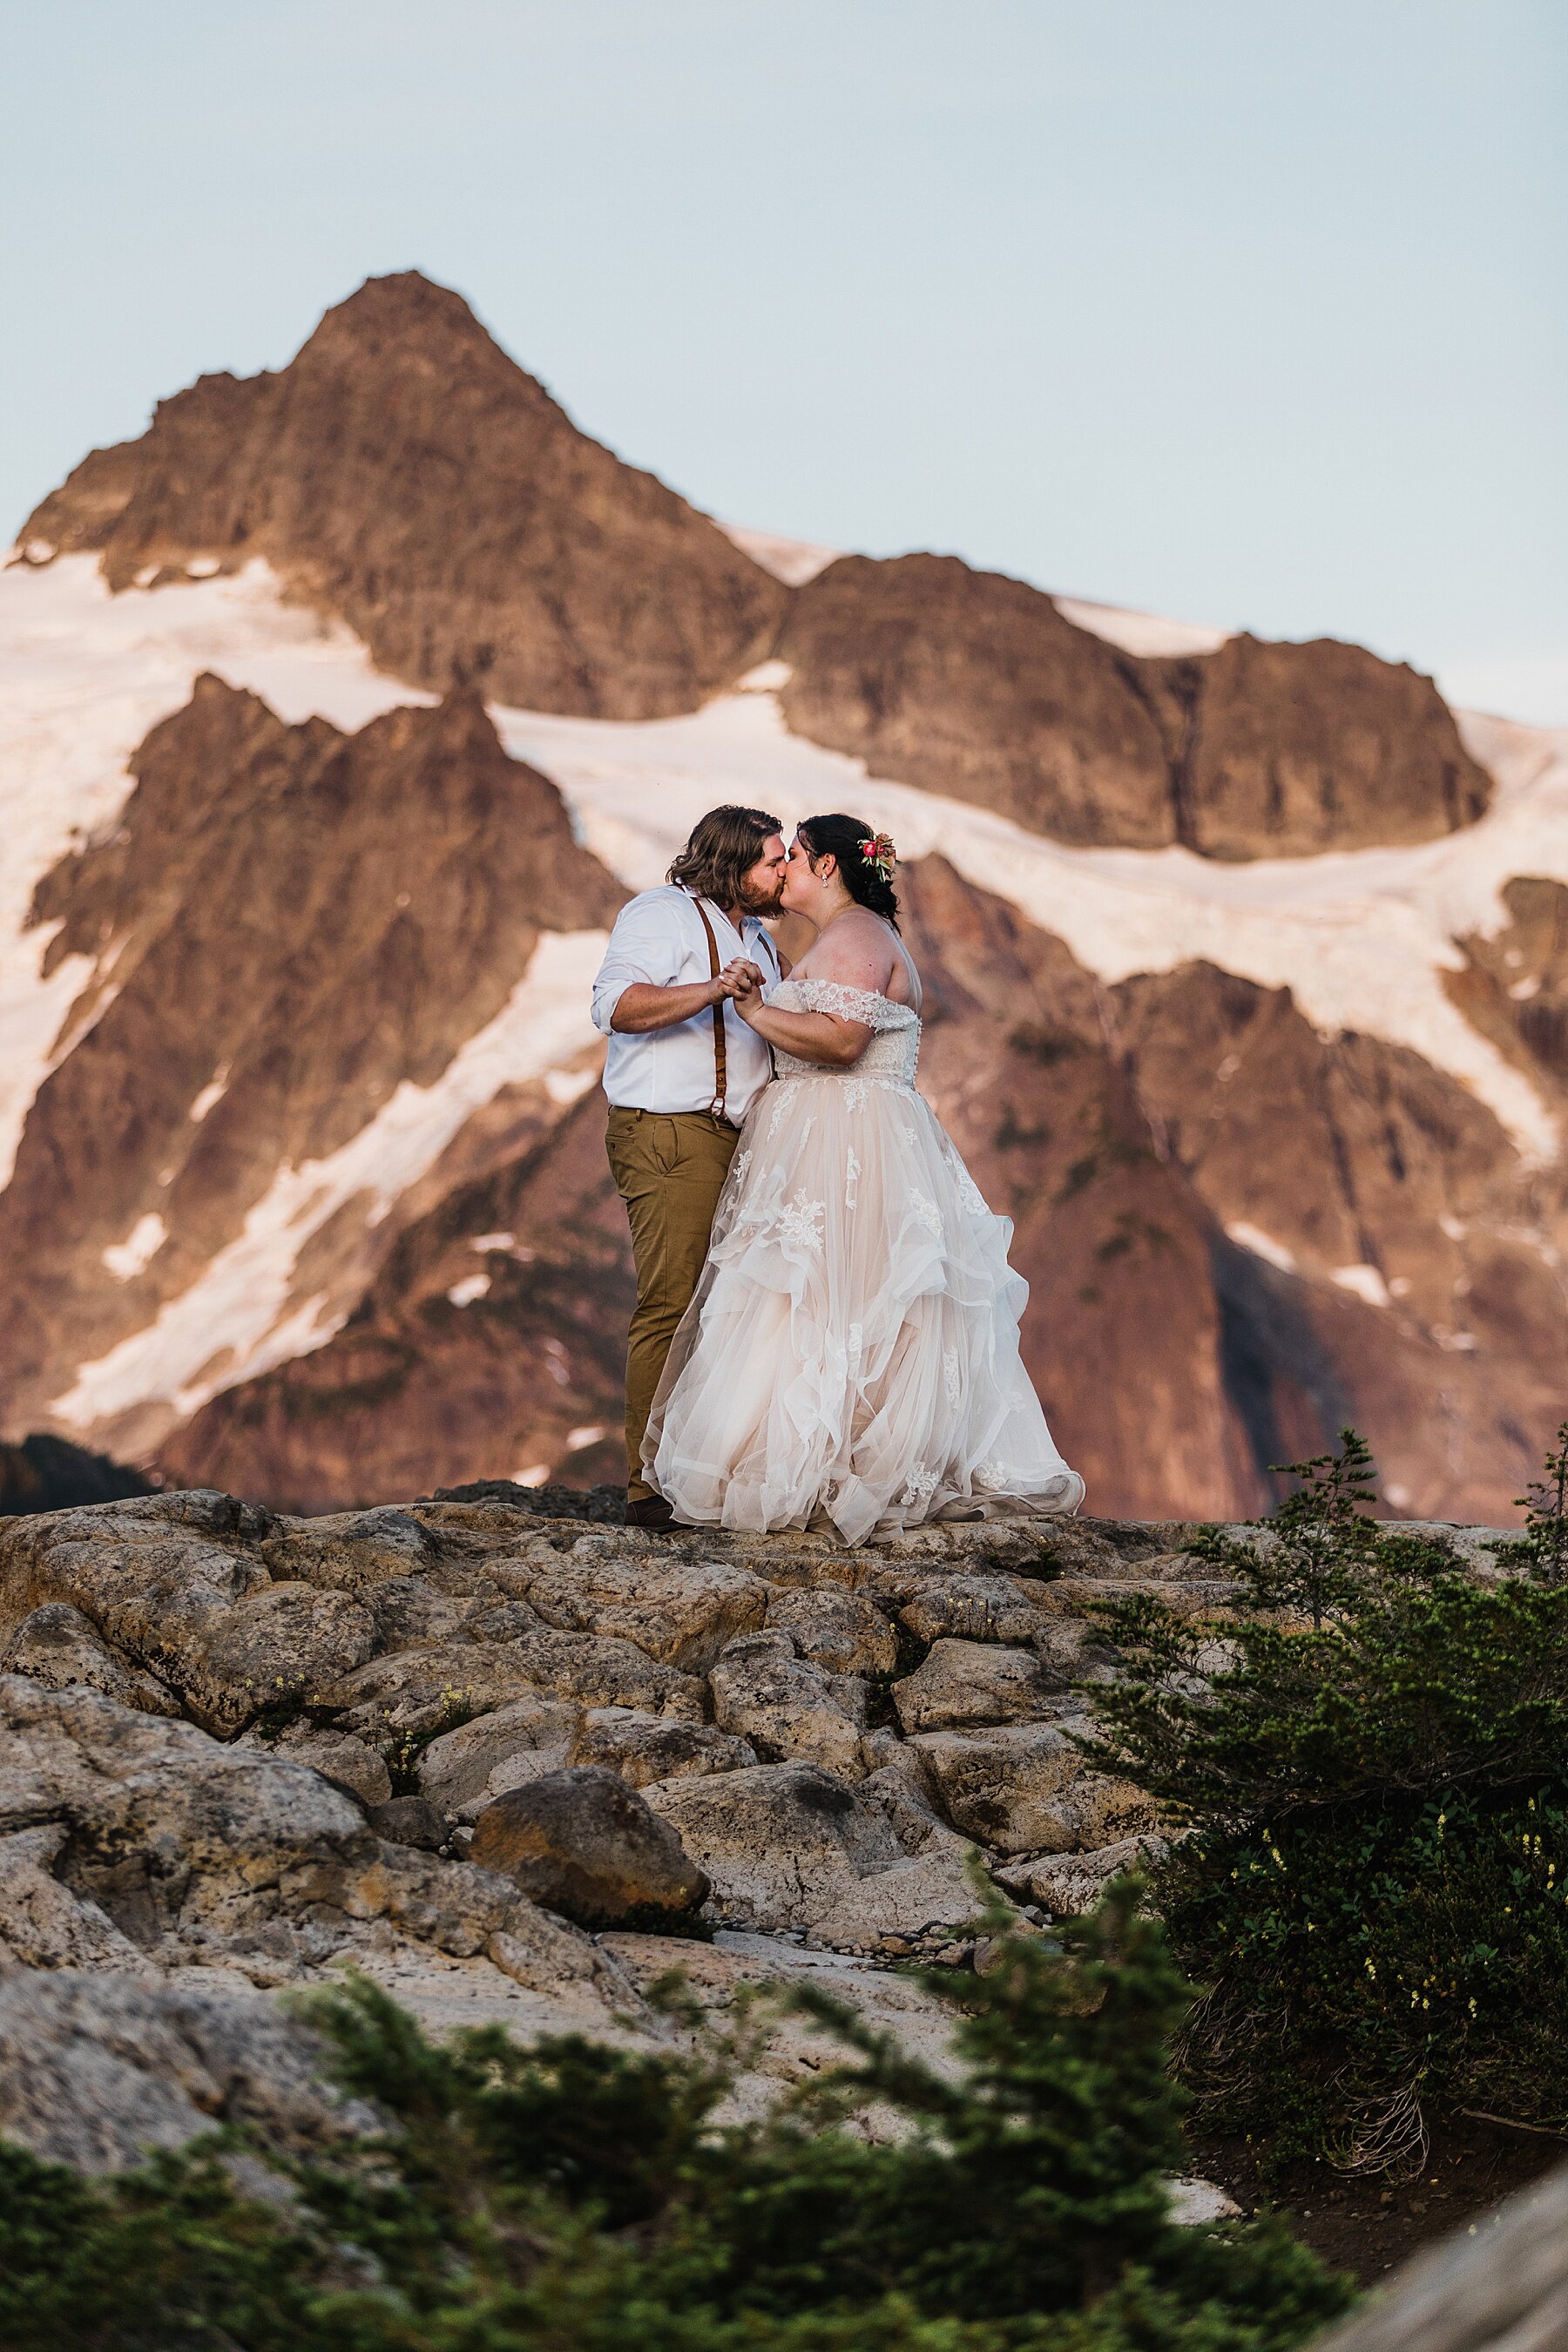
x,y
240,1317
1148,634
83,677
793,560
1360,937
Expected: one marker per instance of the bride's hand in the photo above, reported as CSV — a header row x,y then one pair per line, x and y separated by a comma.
x,y
748,998
736,978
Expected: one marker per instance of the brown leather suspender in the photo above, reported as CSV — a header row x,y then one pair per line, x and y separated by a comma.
x,y
721,1074
720,1060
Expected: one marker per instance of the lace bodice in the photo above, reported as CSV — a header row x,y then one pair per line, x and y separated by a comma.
x,y
890,1058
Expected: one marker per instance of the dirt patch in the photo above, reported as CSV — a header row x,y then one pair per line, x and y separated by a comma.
x,y
1369,2226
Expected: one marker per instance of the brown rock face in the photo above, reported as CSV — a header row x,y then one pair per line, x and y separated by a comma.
x,y
405,475
583,1841
1515,990
1420,1300
416,1393
973,684
337,918
1295,749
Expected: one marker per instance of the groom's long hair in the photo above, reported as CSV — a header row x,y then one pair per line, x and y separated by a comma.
x,y
724,846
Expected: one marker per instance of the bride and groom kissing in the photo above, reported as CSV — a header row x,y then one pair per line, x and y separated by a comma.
x,y
827,1326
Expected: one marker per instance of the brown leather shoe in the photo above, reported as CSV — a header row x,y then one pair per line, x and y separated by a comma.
x,y
650,1511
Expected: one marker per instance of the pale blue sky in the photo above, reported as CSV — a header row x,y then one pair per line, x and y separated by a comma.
x,y
1245,311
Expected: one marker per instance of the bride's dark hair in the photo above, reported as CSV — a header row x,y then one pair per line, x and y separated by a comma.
x,y
841,837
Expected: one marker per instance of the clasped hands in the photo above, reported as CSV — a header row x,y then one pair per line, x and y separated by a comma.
x,y
742,981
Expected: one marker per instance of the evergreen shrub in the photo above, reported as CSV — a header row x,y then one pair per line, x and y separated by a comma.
x,y
1371,1756
574,2197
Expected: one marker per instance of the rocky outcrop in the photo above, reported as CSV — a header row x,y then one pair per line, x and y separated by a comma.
x,y
439,1815
974,685
784,1705
210,1707
974,1681
357,1736
783,1845
1065,1885
1288,750
97,2072
403,475
137,1847
584,1842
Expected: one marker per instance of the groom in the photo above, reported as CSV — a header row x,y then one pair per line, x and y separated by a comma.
x,y
682,1072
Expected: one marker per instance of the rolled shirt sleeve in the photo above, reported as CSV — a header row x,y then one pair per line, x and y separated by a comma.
x,y
644,946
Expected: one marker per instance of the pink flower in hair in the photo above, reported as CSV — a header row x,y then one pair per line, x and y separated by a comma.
x,y
880,851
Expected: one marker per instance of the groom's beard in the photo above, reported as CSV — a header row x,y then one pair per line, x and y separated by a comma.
x,y
761,902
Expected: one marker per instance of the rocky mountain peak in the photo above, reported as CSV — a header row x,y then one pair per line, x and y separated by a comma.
x,y
404,314
405,475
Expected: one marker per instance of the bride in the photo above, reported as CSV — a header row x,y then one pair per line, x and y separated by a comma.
x,y
851,1351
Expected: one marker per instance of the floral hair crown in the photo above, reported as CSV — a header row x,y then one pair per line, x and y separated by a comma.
x,y
880,851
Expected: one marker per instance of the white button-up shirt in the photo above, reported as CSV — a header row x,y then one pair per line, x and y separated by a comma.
x,y
658,939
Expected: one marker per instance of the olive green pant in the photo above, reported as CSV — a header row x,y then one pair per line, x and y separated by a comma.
x,y
670,1169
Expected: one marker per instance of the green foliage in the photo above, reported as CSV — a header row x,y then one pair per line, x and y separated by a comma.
x,y
1424,1683
285,1707
1374,1746
1373,1966
1545,1506
172,2259
408,1744
1320,1541
576,2199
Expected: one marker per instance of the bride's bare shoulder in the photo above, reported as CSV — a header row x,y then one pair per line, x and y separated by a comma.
x,y
856,950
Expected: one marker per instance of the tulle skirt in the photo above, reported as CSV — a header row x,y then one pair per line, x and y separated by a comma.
x,y
852,1348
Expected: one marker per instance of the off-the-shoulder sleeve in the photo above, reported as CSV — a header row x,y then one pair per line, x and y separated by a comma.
x,y
850,1003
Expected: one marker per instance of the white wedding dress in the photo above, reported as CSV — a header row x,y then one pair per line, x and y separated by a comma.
x,y
852,1348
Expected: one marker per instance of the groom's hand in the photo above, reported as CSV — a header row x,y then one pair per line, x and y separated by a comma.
x,y
645,1006
738,979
